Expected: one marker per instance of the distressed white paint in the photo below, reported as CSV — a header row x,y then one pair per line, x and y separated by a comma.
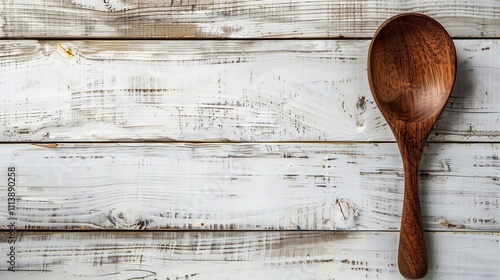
x,y
245,255
105,5
248,186
248,90
220,91
235,18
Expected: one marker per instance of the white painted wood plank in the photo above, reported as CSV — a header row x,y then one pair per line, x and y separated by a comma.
x,y
221,91
247,186
242,255
235,18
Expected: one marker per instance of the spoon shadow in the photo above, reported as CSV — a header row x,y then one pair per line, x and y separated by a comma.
x,y
446,124
427,176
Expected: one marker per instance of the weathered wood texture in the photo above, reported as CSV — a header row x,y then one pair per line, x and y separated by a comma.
x,y
234,18
71,89
244,255
247,186
221,91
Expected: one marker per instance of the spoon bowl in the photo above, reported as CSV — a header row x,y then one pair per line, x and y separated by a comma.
x,y
411,68
411,71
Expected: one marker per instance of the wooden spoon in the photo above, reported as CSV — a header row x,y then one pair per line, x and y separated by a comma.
x,y
411,71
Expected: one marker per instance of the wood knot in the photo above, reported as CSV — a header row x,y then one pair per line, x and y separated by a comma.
x,y
127,218
345,214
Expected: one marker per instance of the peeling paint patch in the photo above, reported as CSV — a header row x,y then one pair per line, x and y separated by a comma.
x,y
65,51
447,224
105,5
46,145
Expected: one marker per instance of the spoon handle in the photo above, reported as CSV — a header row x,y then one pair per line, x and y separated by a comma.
x,y
412,256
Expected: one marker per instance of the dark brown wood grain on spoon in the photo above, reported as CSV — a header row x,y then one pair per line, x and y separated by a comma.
x,y
411,71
